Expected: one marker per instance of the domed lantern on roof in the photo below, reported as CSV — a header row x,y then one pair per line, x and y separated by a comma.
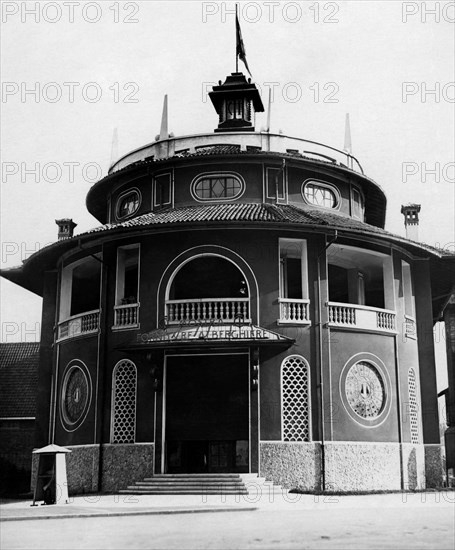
x,y
236,101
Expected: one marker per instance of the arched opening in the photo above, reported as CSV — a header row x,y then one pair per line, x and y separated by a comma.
x,y
208,277
295,399
124,388
208,288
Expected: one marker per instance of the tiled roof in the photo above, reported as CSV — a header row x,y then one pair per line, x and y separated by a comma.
x,y
260,212
18,379
243,212
203,213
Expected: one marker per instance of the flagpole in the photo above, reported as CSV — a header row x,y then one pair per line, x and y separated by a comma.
x,y
236,53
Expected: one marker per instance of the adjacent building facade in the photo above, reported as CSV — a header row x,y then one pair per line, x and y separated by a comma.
x,y
240,309
19,362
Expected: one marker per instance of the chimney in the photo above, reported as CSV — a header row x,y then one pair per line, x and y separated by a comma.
x,y
65,228
411,220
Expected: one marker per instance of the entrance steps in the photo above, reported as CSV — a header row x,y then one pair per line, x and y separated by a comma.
x,y
203,484
260,486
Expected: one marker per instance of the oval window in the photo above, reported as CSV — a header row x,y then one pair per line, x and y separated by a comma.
x,y
128,204
320,194
216,187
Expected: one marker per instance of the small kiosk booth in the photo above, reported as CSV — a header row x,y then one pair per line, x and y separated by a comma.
x,y
51,482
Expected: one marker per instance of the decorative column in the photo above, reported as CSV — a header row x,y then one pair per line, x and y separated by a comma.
x,y
449,436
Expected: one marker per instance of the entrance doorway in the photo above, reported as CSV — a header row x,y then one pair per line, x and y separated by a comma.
x,y
206,414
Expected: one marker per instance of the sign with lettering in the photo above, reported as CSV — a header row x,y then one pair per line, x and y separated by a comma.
x,y
203,333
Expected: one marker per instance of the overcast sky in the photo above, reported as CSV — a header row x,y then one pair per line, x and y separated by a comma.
x,y
390,64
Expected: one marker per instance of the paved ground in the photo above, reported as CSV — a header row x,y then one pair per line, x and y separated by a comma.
x,y
416,521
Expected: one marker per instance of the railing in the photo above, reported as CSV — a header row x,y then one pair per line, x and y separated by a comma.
x,y
208,310
410,328
340,314
294,311
126,316
263,141
77,325
361,317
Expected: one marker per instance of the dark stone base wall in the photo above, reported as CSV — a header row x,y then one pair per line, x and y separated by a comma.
x,y
81,469
122,466
125,464
82,466
348,466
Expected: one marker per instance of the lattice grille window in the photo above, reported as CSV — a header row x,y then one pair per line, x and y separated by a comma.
x,y
413,406
124,402
295,393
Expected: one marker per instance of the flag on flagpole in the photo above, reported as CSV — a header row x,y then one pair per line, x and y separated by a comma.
x,y
240,47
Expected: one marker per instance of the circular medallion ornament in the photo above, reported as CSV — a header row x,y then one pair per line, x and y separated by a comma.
x,y
76,395
364,388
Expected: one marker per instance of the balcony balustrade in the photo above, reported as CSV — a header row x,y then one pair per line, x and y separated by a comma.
x,y
263,141
294,311
79,325
361,317
126,316
208,310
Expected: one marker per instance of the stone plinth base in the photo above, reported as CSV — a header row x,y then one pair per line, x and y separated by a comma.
x,y
413,467
349,466
291,465
434,473
353,466
125,464
122,465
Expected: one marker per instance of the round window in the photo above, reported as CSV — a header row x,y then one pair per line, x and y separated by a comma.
x,y
76,395
365,392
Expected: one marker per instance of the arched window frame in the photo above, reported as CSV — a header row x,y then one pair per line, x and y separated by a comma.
x,y
131,437
205,255
413,407
303,404
172,268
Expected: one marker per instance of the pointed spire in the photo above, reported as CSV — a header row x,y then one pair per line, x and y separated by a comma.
x,y
114,146
164,131
347,136
269,109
